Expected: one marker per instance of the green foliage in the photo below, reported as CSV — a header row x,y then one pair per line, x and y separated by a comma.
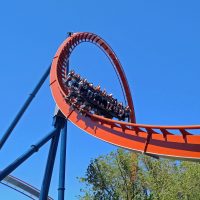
x,y
189,179
124,175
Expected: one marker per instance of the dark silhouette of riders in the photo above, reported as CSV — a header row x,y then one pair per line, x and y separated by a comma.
x,y
85,97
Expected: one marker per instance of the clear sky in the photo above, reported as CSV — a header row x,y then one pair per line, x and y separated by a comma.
x,y
157,42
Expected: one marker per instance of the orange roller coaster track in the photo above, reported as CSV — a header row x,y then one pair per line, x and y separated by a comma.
x,y
154,140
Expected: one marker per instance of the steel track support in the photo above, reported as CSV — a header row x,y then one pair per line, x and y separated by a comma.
x,y
63,147
24,107
59,122
25,156
49,167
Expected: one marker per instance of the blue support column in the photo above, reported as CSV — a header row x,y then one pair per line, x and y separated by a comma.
x,y
25,156
63,147
24,107
59,122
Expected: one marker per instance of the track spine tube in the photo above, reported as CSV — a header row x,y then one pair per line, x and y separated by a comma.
x,y
163,141
24,107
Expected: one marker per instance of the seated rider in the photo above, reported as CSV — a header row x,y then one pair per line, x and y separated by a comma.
x,y
70,79
127,112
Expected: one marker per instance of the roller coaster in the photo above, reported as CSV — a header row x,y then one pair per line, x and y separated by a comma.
x,y
177,142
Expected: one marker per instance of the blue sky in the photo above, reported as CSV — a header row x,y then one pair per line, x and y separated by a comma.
x,y
157,43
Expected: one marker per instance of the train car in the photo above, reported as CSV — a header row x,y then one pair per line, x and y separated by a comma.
x,y
85,97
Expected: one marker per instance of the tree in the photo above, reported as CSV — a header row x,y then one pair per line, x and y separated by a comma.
x,y
124,175
189,179
113,176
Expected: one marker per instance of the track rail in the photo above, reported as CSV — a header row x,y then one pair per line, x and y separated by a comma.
x,y
167,141
22,187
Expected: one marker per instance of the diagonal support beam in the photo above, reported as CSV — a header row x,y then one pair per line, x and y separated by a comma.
x,y
24,107
49,166
25,156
